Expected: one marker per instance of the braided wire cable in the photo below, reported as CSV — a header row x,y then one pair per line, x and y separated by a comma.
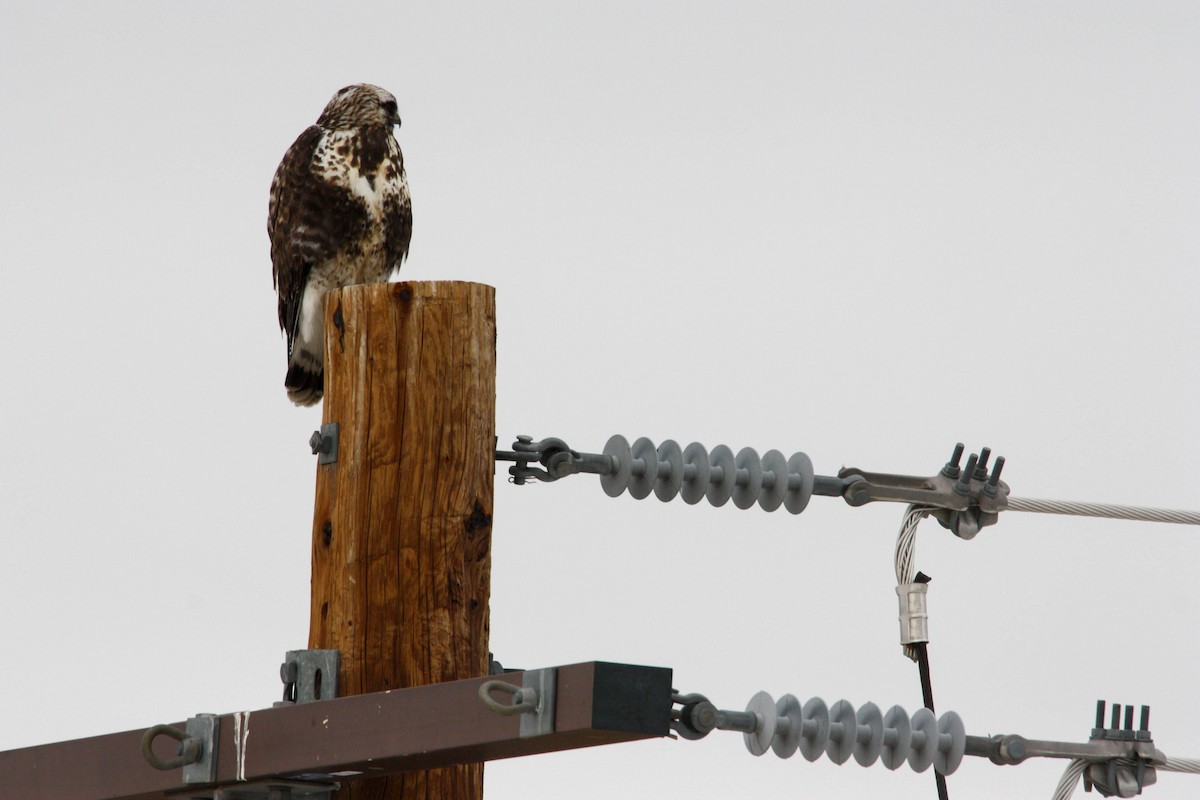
x,y
906,544
1191,765
1070,778
1104,510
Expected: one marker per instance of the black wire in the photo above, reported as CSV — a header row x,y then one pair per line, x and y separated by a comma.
x,y
927,698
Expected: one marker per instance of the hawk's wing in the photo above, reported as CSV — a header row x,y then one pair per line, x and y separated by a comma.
x,y
303,222
397,220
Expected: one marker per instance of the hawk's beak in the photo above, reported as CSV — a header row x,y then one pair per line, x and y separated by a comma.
x,y
396,120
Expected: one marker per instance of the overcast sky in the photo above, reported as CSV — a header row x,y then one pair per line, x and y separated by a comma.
x,y
861,230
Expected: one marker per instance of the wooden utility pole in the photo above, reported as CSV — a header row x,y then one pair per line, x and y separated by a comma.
x,y
402,526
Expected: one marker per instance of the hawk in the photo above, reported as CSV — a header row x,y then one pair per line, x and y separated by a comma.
x,y
339,215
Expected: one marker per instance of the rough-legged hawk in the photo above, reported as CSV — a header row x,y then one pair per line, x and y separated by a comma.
x,y
340,214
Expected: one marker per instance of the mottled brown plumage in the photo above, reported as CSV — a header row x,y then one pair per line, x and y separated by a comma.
x,y
340,214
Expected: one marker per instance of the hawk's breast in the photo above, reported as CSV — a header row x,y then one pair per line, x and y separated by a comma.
x,y
354,163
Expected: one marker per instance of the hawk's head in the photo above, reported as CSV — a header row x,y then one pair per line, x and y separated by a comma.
x,y
359,105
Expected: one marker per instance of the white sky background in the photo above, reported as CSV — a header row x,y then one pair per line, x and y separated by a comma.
x,y
861,230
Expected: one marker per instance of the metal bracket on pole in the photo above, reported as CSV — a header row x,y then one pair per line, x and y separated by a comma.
x,y
324,443
309,675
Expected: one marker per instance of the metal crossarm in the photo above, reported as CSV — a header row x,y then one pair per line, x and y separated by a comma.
x,y
363,736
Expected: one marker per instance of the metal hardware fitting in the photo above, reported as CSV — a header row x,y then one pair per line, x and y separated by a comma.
x,y
496,668
526,451
309,675
963,500
196,752
324,443
265,790
533,700
1122,759
914,616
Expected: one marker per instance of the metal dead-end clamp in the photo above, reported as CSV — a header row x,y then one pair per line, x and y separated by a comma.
x,y
1120,761
962,499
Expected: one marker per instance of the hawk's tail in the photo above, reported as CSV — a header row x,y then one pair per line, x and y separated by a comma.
x,y
305,380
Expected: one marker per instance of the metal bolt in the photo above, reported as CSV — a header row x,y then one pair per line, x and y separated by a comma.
x,y
993,482
951,469
964,481
318,443
858,494
1013,748
981,467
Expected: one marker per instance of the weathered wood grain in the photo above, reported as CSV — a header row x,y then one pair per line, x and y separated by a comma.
x,y
402,522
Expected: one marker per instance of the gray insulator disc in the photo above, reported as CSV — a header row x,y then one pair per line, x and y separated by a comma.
x,y
616,482
762,705
640,486
946,761
839,750
924,740
895,723
693,490
869,738
815,729
719,492
771,498
745,494
667,486
787,731
797,498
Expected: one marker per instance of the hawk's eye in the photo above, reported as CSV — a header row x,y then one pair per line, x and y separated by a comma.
x,y
389,106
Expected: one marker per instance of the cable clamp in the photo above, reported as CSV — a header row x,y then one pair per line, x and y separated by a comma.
x,y
964,500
